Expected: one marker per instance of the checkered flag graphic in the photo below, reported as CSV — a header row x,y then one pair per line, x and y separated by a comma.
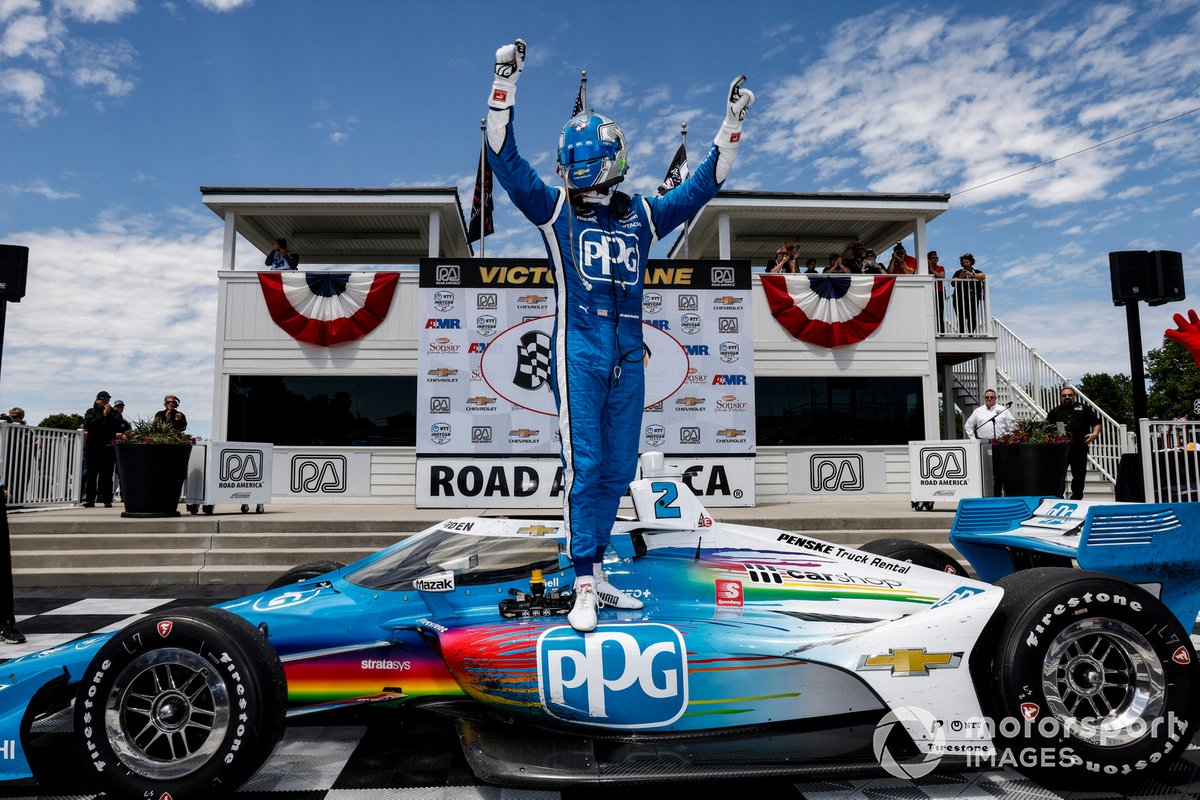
x,y
533,361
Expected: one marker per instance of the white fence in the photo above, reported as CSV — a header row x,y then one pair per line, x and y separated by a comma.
x,y
42,466
1170,460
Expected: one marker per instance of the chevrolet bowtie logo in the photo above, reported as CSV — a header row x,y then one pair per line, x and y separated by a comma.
x,y
910,661
522,432
537,530
731,432
442,372
531,298
481,400
726,300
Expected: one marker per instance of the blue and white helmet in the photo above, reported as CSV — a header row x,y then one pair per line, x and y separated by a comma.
x,y
592,152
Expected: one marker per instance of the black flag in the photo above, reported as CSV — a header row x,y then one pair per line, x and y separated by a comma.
x,y
481,203
677,173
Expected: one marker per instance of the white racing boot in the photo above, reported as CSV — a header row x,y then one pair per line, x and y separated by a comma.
x,y
610,595
583,613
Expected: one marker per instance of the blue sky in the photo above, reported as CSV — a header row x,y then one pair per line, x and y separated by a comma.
x,y
114,112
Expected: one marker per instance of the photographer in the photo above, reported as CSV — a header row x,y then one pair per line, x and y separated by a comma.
x,y
901,263
784,260
280,258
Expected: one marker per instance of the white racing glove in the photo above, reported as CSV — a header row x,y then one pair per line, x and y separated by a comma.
x,y
730,134
510,60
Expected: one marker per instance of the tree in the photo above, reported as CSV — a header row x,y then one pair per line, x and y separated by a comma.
x,y
66,422
1174,381
1113,393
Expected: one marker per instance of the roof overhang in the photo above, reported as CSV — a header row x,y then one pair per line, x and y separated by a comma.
x,y
819,224
347,226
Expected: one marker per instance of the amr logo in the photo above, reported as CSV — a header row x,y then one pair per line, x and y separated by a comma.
x,y
241,465
318,474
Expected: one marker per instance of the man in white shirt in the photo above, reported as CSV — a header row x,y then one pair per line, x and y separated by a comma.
x,y
990,421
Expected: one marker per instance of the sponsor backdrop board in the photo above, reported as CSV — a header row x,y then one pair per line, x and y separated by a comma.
x,y
484,384
946,471
341,473
837,473
537,482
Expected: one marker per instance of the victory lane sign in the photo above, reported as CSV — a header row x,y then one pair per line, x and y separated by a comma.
x,y
484,393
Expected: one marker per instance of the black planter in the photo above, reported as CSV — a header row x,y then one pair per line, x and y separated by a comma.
x,y
1030,470
152,477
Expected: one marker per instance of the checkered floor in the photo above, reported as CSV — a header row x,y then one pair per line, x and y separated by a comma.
x,y
379,754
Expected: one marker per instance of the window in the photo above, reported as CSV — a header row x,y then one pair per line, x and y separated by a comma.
x,y
341,411
838,411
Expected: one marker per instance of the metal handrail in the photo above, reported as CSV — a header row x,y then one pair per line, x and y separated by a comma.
x,y
1170,460
1024,373
42,466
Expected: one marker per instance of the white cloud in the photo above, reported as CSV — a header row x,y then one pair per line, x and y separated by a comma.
x,y
22,34
23,93
95,10
339,137
1196,212
66,341
103,67
223,5
41,188
10,8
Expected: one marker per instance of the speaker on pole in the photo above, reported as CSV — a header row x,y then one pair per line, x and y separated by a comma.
x,y
14,264
1166,277
1130,274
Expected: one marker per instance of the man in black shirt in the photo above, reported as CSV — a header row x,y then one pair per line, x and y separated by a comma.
x,y
1084,428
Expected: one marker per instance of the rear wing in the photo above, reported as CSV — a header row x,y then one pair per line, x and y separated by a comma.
x,y
1156,545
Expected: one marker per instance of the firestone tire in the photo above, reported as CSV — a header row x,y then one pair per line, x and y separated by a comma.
x,y
919,553
1093,669
304,572
187,703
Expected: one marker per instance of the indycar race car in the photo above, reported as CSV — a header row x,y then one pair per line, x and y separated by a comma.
x,y
758,652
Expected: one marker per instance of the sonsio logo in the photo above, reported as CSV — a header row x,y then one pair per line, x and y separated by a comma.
x,y
836,473
729,352
443,301
487,301
241,465
655,435
723,276
611,257
318,474
440,433
729,402
691,302
444,345
695,376
690,323
619,676
446,274
943,463
439,405
651,302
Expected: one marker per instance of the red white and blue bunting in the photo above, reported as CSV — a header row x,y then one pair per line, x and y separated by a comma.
x,y
327,308
829,310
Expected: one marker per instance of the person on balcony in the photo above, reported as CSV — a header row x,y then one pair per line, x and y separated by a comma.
x,y
939,290
1083,426
968,294
282,258
901,262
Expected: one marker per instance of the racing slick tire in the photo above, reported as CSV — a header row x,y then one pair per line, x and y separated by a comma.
x,y
184,703
1091,674
919,553
304,572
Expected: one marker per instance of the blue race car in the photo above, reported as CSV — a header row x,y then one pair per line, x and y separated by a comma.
x,y
758,652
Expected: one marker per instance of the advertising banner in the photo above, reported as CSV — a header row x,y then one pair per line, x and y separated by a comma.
x,y
832,472
946,471
484,384
332,473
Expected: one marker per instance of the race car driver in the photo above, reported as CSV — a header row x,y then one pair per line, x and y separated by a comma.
x,y
597,240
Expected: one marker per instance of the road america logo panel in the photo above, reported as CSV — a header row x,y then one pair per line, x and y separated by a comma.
x,y
241,466
836,472
311,474
723,276
619,676
447,274
943,463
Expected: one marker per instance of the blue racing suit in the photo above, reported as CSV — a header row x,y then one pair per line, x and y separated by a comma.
x,y
598,256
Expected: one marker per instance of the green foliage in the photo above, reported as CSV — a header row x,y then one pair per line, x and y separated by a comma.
x,y
153,431
1033,431
1174,381
1113,393
65,422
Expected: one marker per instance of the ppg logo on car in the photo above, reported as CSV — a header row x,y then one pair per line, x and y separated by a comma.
x,y
943,463
318,474
619,676
836,473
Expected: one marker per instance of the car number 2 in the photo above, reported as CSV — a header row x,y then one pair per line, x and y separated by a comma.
x,y
664,506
